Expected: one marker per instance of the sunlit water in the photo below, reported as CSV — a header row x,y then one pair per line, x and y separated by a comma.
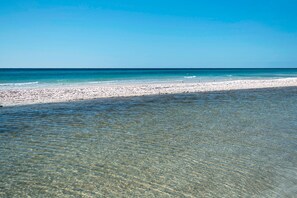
x,y
24,78
220,144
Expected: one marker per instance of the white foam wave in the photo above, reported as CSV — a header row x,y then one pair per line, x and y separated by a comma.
x,y
19,84
189,76
103,82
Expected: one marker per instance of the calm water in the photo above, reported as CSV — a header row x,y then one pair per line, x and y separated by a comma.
x,y
223,144
42,77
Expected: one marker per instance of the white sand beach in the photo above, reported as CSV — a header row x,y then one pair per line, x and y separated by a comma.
x,y
24,96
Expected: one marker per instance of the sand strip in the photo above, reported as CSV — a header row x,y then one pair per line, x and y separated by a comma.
x,y
10,97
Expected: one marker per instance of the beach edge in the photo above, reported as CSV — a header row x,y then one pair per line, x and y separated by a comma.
x,y
27,96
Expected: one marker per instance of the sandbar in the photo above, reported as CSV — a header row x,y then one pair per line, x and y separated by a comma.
x,y
54,94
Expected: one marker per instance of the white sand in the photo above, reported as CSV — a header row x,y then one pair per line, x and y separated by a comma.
x,y
24,96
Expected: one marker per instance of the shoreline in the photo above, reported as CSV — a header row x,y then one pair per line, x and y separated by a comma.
x,y
26,96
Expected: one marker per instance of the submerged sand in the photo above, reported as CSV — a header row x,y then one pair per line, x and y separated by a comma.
x,y
11,97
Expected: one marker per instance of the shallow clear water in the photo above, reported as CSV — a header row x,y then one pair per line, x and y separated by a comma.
x,y
220,144
15,78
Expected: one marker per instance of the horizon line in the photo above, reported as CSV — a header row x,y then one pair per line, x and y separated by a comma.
x,y
157,68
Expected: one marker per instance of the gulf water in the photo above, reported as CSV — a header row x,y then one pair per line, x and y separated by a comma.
x,y
15,78
216,144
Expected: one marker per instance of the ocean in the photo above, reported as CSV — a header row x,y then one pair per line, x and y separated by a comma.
x,y
16,78
215,144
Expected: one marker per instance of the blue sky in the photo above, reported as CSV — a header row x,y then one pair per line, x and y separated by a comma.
x,y
148,33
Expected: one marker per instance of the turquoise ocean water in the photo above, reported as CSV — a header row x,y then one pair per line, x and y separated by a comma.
x,y
41,77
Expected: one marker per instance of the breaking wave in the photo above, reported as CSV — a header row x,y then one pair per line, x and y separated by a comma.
x,y
189,76
19,84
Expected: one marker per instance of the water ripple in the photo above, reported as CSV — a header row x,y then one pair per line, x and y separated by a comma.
x,y
221,144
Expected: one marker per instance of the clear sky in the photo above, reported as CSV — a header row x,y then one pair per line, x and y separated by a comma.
x,y
148,33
